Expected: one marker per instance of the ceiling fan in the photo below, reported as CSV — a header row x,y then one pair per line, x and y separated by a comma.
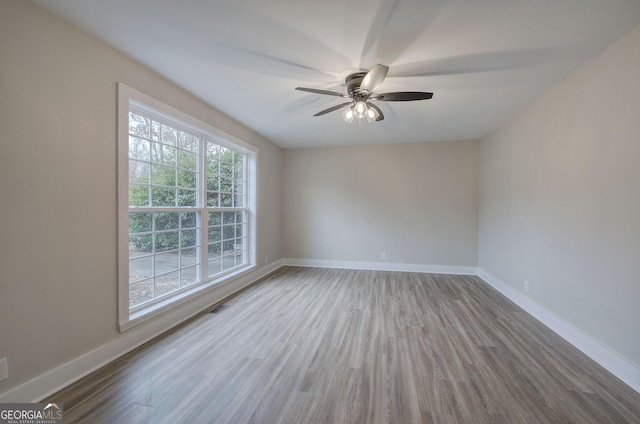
x,y
360,89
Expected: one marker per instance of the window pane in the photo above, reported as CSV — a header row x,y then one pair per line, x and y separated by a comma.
x,y
215,266
138,195
140,222
188,276
156,129
239,200
187,238
215,250
169,135
215,234
138,172
239,185
167,241
166,262
227,247
188,219
213,168
238,245
140,292
239,177
212,183
187,179
167,221
138,125
226,200
188,257
188,141
139,149
140,244
228,262
187,160
228,232
163,175
165,284
226,170
213,198
162,154
140,268
187,197
161,196
213,151
215,218
228,217
226,185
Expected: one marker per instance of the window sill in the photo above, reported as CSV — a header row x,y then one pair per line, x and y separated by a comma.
x,y
152,311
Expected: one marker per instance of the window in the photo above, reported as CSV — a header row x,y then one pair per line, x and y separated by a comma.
x,y
186,195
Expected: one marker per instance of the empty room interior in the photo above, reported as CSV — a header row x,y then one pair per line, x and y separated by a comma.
x,y
388,211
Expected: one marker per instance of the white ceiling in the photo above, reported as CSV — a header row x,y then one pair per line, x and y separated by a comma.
x,y
483,60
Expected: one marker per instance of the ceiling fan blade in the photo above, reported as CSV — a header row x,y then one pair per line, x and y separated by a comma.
x,y
396,25
377,109
329,93
331,109
374,78
487,62
402,96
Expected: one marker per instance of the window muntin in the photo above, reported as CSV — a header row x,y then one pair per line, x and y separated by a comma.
x,y
166,205
163,164
164,254
227,240
187,206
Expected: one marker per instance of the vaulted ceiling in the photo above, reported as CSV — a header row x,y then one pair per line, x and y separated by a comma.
x,y
483,60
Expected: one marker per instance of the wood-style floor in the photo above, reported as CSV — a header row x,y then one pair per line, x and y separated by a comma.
x,y
342,346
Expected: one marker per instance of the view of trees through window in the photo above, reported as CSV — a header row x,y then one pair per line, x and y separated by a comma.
x,y
187,208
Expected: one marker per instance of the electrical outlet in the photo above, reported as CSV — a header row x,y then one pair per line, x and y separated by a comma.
x,y
526,286
4,369
383,256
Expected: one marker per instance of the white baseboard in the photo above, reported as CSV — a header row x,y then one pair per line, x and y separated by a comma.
x,y
52,381
382,266
60,377
611,361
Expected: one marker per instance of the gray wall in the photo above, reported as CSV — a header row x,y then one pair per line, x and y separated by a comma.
x,y
560,199
558,195
418,203
58,174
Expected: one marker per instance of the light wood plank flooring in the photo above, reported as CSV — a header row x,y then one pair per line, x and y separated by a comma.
x,y
342,346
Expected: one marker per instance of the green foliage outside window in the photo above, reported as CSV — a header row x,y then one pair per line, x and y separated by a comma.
x,y
163,172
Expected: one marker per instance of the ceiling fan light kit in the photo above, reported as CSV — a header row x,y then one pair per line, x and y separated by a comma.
x,y
348,115
360,88
361,110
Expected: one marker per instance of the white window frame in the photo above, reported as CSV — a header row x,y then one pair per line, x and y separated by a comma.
x,y
128,97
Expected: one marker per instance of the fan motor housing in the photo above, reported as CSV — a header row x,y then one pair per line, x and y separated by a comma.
x,y
353,82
